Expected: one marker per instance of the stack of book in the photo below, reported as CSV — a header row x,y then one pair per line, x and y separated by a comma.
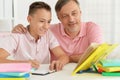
x,y
92,55
14,71
109,67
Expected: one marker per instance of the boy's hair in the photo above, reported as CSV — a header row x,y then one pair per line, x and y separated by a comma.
x,y
61,3
38,5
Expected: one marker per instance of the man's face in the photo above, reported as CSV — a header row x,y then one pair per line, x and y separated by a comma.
x,y
39,22
70,15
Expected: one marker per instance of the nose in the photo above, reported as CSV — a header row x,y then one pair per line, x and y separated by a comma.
x,y
46,25
71,18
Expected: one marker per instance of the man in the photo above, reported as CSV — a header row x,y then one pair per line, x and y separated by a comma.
x,y
35,45
73,35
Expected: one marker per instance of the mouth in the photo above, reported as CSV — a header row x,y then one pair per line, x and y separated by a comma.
x,y
73,24
43,30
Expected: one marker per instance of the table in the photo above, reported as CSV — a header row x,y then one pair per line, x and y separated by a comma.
x,y
65,74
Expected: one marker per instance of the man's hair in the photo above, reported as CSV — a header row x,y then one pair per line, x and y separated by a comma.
x,y
38,5
61,3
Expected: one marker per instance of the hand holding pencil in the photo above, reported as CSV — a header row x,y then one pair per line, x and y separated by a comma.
x,y
34,63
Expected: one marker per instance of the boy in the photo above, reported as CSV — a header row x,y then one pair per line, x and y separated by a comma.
x,y
34,46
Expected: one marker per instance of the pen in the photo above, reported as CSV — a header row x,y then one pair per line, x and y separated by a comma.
x,y
31,58
27,55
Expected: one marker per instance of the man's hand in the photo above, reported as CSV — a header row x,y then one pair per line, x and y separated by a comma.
x,y
62,59
56,65
34,63
19,29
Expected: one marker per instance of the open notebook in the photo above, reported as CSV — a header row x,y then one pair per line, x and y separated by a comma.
x,y
93,54
42,70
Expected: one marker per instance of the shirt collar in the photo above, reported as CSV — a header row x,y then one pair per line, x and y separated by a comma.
x,y
83,30
29,36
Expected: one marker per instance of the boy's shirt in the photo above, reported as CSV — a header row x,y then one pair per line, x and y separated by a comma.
x,y
20,44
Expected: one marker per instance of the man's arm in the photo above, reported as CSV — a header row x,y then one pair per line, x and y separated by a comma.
x,y
3,59
19,29
74,57
62,59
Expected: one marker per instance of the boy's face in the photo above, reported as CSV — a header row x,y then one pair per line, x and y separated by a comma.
x,y
39,22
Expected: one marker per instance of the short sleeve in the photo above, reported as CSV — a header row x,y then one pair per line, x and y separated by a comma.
x,y
94,33
52,40
8,43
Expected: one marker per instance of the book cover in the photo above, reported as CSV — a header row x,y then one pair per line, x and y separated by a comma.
x,y
12,78
99,53
15,67
109,62
14,75
111,73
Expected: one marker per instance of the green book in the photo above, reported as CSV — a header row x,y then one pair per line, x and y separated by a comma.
x,y
111,73
111,63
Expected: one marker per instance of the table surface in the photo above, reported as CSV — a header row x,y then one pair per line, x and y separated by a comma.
x,y
65,74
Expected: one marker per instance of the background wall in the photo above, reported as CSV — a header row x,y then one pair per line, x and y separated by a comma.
x,y
103,12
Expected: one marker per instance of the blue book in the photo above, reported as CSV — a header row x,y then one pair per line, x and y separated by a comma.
x,y
14,75
109,62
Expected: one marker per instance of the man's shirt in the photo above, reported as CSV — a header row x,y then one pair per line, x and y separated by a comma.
x,y
89,33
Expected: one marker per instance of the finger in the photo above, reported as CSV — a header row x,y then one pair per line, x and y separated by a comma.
x,y
58,66
35,63
23,29
52,65
17,29
20,29
61,66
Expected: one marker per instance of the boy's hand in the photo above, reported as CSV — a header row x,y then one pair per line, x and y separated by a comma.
x,y
34,63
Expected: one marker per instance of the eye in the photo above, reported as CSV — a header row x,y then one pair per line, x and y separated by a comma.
x,y
49,22
64,16
41,21
74,13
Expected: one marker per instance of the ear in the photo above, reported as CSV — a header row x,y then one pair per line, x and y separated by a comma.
x,y
58,16
29,18
80,12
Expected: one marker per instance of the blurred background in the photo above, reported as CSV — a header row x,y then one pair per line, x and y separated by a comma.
x,y
105,13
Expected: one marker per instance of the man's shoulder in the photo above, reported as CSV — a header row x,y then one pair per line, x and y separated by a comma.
x,y
52,26
55,27
90,26
89,23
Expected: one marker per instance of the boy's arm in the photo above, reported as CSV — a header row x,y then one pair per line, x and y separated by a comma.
x,y
3,59
3,54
